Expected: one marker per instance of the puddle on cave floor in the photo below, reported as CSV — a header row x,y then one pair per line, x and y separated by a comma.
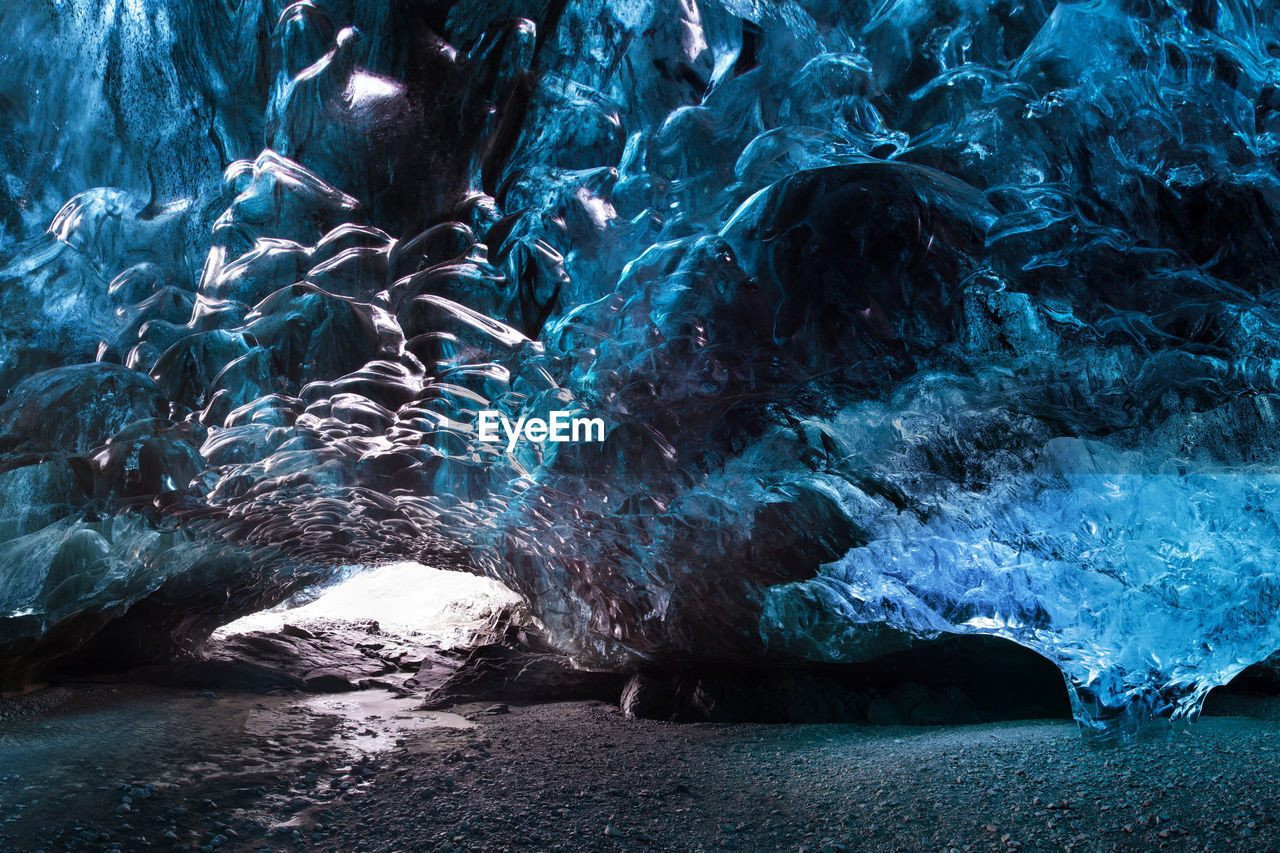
x,y
71,766
371,720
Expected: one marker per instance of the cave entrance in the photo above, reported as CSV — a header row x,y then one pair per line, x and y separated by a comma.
x,y
381,626
407,598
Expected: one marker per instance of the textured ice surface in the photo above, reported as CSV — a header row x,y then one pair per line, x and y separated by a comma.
x,y
905,318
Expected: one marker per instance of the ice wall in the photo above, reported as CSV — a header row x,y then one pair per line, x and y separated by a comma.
x,y
905,318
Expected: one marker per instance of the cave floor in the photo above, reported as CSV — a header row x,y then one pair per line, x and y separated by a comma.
x,y
362,771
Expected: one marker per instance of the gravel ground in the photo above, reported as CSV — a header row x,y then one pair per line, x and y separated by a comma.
x,y
243,772
581,777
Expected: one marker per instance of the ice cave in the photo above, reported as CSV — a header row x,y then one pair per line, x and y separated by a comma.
x,y
923,336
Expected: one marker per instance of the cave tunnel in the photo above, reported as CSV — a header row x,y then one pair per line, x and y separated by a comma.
x,y
653,403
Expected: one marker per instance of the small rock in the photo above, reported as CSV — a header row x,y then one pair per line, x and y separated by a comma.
x,y
328,681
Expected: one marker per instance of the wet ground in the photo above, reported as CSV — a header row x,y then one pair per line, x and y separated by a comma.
x,y
137,768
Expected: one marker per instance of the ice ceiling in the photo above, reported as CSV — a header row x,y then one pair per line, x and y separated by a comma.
x,y
905,318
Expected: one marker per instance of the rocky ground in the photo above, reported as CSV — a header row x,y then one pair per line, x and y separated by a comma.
x,y
135,768
345,736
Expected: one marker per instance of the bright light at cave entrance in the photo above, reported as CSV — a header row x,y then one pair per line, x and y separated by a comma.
x,y
404,598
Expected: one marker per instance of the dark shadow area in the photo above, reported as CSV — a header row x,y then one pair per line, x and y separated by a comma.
x,y
1252,693
958,679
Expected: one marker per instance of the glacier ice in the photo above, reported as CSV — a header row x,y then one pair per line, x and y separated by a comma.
x,y
906,319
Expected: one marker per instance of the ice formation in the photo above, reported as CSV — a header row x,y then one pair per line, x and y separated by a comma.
x,y
905,318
